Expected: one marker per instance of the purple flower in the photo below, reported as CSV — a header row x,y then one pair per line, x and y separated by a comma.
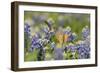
x,y
85,32
46,30
68,31
83,50
72,37
48,35
27,29
58,54
70,47
36,44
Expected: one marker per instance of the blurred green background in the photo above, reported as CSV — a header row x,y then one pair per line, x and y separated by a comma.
x,y
74,20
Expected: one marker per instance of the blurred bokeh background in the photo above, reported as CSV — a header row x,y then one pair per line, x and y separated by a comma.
x,y
40,23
